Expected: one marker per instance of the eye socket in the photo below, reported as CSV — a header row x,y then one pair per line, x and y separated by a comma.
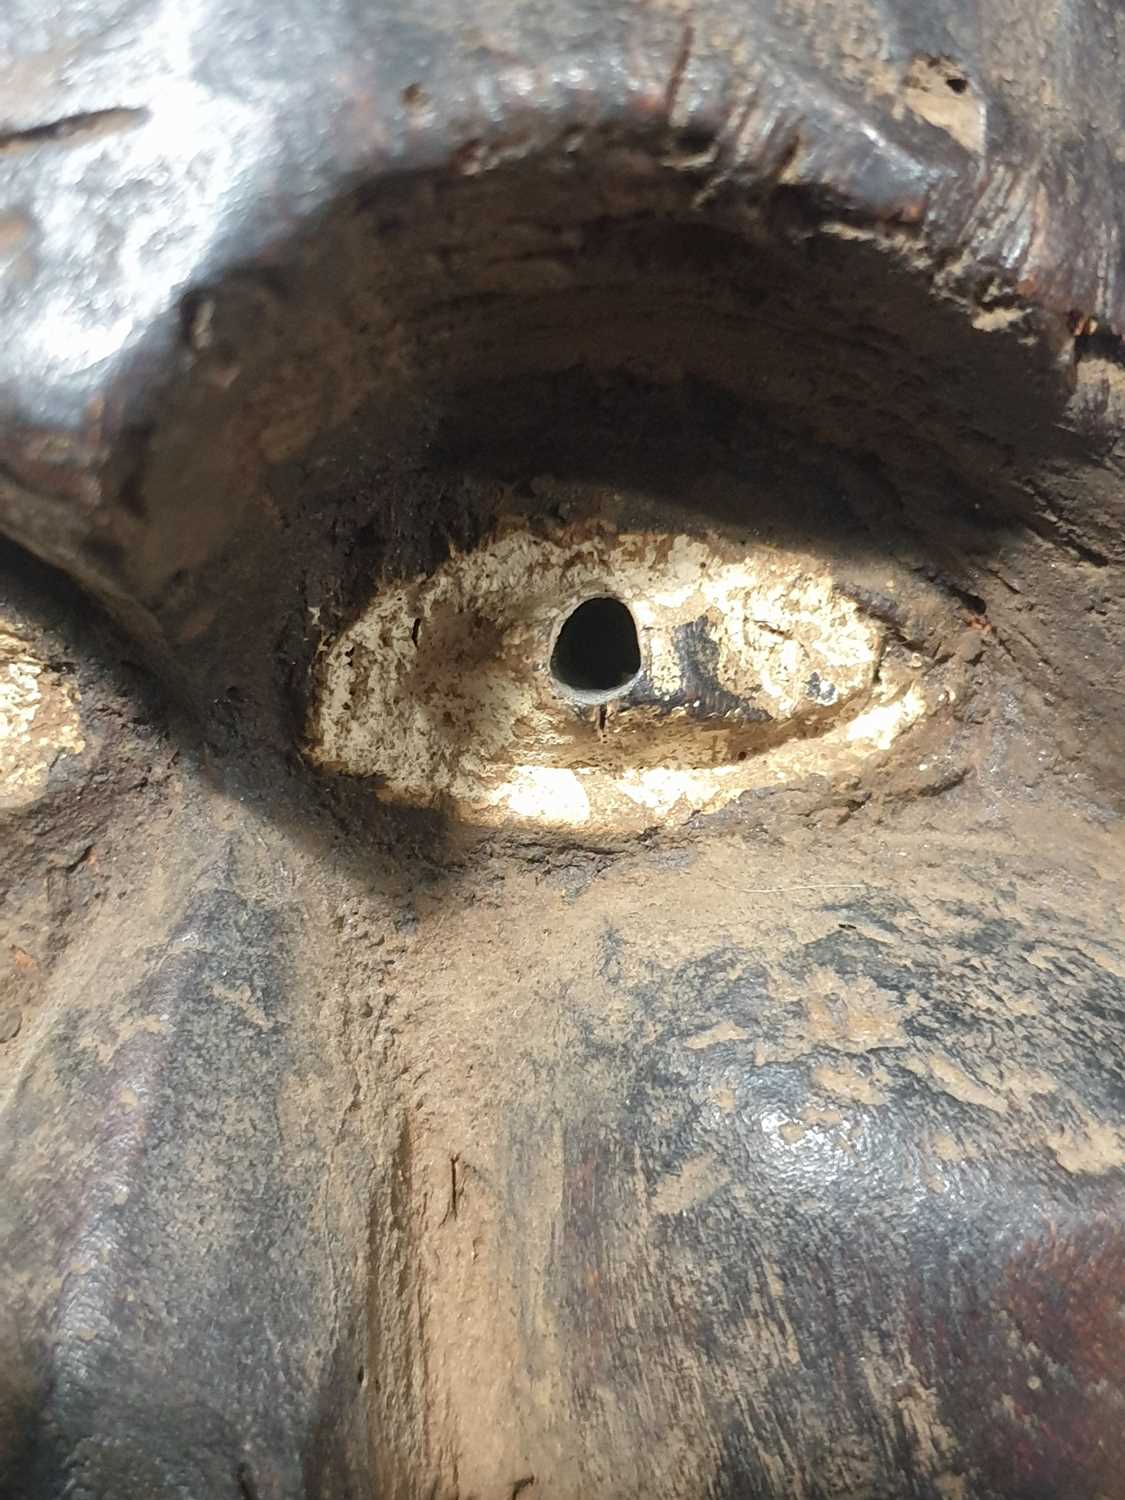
x,y
754,667
597,653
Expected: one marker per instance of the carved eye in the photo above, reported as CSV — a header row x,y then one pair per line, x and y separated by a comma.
x,y
611,680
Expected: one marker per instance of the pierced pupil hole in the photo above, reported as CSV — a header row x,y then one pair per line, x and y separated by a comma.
x,y
597,652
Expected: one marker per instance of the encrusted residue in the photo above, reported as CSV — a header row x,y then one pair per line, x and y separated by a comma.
x,y
38,720
756,669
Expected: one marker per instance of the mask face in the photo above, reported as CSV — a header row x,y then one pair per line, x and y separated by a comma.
x,y
561,750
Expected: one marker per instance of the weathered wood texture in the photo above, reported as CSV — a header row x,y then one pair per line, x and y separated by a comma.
x,y
348,1152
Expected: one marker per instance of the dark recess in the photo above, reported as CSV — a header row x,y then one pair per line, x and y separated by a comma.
x,y
597,652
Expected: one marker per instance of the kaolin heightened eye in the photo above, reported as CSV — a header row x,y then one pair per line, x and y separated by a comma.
x,y
611,680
